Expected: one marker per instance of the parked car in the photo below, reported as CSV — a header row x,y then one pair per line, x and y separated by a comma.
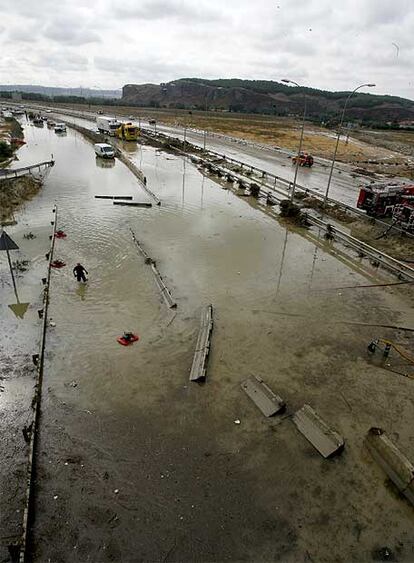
x,y
104,150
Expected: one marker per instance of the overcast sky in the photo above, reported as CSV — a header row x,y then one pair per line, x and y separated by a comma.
x,y
329,44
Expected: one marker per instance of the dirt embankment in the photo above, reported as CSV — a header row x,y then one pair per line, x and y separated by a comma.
x,y
14,192
10,133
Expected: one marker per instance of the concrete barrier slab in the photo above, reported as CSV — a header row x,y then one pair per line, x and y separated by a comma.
x,y
326,441
263,397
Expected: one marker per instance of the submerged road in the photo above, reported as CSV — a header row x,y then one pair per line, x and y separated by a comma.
x,y
345,183
135,462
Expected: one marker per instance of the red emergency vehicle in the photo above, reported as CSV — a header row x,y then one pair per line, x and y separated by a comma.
x,y
394,200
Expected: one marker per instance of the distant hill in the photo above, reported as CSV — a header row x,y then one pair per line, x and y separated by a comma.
x,y
52,91
265,96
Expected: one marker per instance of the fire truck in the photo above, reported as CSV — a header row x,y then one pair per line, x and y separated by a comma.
x,y
395,200
305,159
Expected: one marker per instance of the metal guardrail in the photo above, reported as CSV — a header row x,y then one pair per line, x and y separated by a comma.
x,y
365,250
299,188
30,475
9,173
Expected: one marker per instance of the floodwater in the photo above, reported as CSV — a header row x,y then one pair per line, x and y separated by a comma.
x,y
136,463
345,184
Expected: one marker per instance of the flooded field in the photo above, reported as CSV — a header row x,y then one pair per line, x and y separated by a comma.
x,y
136,463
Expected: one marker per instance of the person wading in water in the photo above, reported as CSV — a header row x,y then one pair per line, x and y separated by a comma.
x,y
79,272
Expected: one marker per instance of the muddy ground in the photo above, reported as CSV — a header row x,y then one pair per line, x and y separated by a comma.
x,y
14,192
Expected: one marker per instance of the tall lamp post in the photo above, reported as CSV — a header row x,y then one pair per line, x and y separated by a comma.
x,y
339,136
286,81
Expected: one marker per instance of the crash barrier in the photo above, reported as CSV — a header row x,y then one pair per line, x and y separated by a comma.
x,y
38,360
8,173
287,185
199,367
365,250
165,292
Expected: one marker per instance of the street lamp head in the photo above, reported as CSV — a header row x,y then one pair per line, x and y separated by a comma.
x,y
371,85
285,80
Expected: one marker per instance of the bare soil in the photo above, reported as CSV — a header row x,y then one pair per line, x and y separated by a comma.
x,y
14,192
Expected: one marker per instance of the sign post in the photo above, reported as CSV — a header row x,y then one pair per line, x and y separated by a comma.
x,y
7,244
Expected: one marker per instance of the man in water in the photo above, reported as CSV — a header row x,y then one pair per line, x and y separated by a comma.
x,y
79,272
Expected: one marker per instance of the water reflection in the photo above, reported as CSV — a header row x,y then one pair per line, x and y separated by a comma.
x,y
105,163
82,290
282,262
183,185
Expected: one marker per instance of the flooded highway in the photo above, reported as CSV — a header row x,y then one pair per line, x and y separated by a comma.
x,y
135,462
345,184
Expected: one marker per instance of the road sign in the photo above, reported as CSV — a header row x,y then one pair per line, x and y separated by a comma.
x,y
19,309
7,243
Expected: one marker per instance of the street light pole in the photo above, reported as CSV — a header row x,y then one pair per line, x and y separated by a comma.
x,y
292,195
338,138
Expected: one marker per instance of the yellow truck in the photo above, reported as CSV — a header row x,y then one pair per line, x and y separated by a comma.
x,y
127,132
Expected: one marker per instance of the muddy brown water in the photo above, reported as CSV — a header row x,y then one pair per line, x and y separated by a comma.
x,y
137,464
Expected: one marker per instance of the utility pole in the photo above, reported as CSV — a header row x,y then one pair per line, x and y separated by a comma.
x,y
338,138
292,195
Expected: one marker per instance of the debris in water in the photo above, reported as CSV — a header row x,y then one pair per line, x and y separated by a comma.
x,y
324,439
237,421
57,264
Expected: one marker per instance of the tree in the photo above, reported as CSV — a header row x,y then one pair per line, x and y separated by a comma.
x,y
5,150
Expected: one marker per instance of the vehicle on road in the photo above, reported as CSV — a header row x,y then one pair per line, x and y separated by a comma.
x,y
127,132
395,200
305,159
104,150
152,121
60,128
107,125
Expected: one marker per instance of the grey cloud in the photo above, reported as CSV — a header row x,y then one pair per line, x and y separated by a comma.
x,y
164,9
139,69
377,12
70,32
28,34
63,60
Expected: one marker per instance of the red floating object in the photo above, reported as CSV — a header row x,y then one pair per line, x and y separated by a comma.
x,y
127,341
60,234
57,264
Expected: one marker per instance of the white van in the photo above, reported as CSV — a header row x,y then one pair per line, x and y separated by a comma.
x,y
104,150
60,128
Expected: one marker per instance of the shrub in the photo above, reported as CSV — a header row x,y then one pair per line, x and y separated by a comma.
x,y
5,150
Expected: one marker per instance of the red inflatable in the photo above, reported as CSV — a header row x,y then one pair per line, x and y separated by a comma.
x,y
57,264
60,234
130,339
